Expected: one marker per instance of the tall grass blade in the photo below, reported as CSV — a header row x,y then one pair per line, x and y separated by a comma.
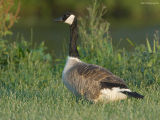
x,y
130,42
148,46
154,46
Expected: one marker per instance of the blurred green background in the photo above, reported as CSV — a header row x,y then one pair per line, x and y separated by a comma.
x,y
134,20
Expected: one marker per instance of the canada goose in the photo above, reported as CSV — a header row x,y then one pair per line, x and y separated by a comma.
x,y
91,81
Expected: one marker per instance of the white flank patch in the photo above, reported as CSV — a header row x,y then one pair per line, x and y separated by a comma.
x,y
112,94
70,19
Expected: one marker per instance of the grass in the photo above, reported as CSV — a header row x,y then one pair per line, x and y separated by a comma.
x,y
31,87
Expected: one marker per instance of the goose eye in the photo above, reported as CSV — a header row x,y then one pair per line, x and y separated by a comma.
x,y
64,17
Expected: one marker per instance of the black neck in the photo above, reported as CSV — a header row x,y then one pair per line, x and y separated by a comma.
x,y
73,52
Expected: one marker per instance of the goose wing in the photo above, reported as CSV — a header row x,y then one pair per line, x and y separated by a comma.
x,y
105,78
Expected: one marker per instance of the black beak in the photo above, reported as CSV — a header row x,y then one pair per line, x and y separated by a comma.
x,y
59,19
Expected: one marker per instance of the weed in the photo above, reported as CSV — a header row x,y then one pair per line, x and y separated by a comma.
x,y
31,87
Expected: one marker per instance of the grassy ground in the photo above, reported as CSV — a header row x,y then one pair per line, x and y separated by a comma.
x,y
31,87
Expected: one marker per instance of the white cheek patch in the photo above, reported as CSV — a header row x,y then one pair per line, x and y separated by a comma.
x,y
70,19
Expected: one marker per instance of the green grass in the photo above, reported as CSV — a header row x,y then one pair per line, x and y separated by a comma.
x,y
31,86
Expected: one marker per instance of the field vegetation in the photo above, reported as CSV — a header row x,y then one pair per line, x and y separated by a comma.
x,y
31,86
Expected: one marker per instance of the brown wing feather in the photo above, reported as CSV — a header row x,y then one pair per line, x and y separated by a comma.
x,y
97,73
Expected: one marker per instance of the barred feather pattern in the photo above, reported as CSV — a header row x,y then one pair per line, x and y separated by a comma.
x,y
88,80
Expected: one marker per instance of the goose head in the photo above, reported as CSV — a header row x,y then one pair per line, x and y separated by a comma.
x,y
66,18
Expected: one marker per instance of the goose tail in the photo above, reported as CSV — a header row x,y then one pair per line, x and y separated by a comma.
x,y
133,94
